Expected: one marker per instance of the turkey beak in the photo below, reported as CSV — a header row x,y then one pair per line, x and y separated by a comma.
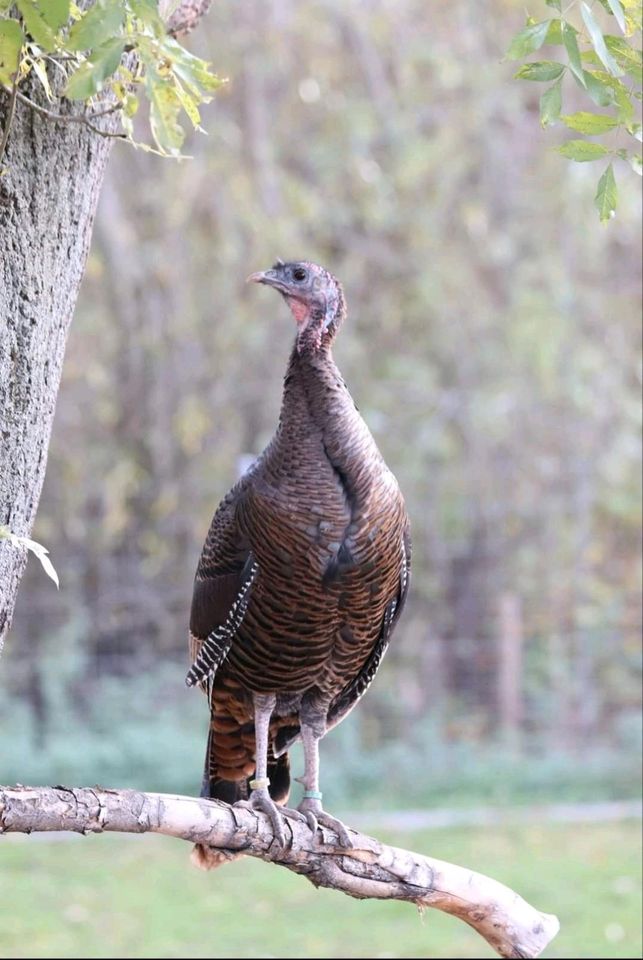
x,y
262,276
270,278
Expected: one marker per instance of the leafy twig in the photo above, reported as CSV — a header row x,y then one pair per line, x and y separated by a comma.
x,y
599,63
85,119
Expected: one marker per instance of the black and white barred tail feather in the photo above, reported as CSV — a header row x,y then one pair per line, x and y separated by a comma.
x,y
217,645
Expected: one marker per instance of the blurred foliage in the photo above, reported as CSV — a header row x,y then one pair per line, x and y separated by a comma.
x,y
87,49
96,898
147,732
492,345
607,69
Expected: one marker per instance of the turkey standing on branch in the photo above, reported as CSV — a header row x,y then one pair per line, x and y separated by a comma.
x,y
302,578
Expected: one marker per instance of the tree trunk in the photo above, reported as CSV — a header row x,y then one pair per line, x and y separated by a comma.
x,y
48,197
53,173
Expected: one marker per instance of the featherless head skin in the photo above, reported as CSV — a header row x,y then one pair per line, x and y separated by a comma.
x,y
315,298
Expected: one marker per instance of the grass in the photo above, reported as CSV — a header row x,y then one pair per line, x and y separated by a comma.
x,y
139,897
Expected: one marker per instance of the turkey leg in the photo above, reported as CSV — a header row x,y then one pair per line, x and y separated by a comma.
x,y
260,799
311,805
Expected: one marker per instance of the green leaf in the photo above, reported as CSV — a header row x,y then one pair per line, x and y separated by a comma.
x,y
600,87
573,53
147,12
55,13
130,105
528,40
606,195
550,104
10,46
591,123
102,22
623,101
90,76
189,103
83,83
165,107
628,57
635,130
617,10
598,42
589,58
632,10
555,32
607,91
36,24
553,3
193,71
540,70
636,163
582,150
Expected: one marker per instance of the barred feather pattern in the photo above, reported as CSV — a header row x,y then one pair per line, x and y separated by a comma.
x,y
360,684
324,520
215,648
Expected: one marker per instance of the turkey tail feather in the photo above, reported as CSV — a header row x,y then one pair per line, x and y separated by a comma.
x,y
214,787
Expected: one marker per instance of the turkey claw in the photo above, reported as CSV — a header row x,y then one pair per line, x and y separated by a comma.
x,y
337,827
317,817
311,820
290,814
262,801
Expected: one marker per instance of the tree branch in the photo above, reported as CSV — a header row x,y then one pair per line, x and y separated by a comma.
x,y
83,118
370,869
186,16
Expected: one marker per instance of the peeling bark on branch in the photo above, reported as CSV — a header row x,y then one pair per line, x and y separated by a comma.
x,y
369,870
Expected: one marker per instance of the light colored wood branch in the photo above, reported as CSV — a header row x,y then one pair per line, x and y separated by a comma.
x,y
369,870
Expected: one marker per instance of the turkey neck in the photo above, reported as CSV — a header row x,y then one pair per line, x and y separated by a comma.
x,y
316,402
315,395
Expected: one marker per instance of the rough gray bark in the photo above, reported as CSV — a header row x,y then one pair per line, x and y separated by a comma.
x,y
48,198
186,16
369,869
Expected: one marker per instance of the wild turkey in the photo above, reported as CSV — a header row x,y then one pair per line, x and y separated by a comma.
x,y
302,578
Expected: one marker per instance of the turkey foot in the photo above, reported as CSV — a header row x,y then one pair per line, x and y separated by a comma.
x,y
312,810
261,800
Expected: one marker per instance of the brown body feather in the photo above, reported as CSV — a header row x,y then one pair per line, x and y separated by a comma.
x,y
324,520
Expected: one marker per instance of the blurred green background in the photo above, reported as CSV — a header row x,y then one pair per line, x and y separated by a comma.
x,y
493,347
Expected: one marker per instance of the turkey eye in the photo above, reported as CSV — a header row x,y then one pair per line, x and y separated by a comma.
x,y
299,274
